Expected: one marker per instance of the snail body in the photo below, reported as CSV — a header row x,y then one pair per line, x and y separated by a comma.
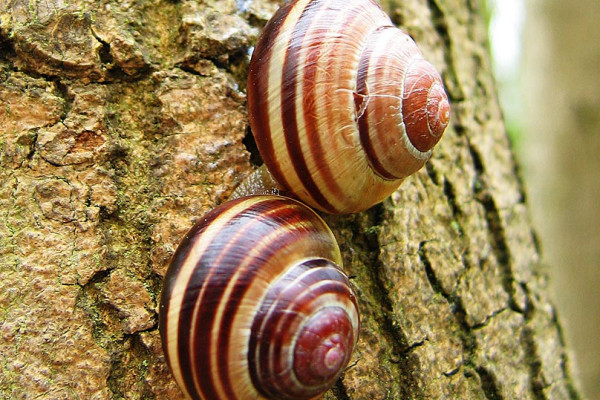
x,y
254,304
342,104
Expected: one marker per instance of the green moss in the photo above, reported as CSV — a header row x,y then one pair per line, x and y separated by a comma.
x,y
373,230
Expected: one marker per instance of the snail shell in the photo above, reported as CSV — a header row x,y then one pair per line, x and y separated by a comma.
x,y
254,304
342,104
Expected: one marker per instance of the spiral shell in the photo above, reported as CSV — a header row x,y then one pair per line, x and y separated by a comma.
x,y
255,306
342,104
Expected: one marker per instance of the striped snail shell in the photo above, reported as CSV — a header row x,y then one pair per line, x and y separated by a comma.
x,y
342,104
254,304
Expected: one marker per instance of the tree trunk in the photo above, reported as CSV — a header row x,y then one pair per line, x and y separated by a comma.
x,y
560,157
123,123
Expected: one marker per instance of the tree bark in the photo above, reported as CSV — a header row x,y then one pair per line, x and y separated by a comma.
x,y
123,123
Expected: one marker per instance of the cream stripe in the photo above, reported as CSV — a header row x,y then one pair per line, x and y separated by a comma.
x,y
345,153
276,63
387,68
325,300
332,141
182,281
416,153
257,292
241,271
299,108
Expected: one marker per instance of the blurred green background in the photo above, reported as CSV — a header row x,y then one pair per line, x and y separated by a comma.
x,y
547,64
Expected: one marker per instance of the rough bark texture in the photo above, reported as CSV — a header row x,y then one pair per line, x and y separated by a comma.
x,y
123,122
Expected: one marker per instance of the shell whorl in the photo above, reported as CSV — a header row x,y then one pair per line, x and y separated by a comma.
x,y
254,304
342,104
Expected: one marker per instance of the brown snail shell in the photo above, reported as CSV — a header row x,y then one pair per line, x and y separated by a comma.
x,y
342,104
255,305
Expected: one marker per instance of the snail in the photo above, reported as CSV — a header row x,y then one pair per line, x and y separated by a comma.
x,y
342,105
255,305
